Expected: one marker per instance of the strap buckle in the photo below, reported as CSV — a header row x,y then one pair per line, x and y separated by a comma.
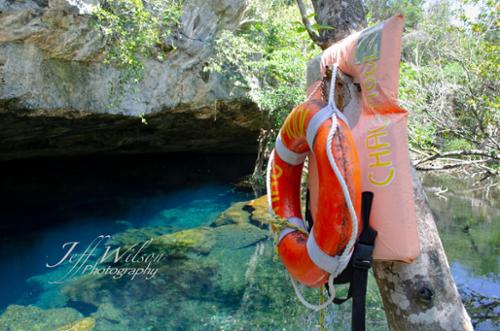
x,y
362,256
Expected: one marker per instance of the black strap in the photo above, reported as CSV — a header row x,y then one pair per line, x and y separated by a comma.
x,y
362,262
356,272
309,218
358,290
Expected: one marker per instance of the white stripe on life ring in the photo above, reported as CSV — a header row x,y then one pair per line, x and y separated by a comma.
x,y
315,122
330,264
287,155
295,221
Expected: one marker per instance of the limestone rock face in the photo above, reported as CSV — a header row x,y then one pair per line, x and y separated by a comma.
x,y
58,98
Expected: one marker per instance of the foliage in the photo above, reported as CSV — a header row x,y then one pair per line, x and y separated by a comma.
x,y
379,10
267,56
450,78
137,29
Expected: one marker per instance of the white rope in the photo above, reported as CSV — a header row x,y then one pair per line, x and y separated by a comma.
x,y
331,295
268,182
299,294
331,95
346,254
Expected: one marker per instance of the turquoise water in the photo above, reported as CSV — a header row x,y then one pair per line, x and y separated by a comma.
x,y
25,256
72,200
220,275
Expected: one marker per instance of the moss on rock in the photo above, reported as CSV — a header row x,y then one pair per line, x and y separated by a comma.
x,y
31,318
136,235
211,276
85,324
198,240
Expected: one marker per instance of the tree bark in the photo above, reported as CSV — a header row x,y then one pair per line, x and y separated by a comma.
x,y
421,295
345,17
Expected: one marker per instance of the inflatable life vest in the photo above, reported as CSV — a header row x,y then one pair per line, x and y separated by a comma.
x,y
322,131
372,57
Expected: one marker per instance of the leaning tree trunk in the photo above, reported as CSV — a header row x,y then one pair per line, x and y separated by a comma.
x,y
417,296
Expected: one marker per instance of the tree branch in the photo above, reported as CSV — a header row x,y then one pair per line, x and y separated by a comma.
x,y
303,13
472,152
449,165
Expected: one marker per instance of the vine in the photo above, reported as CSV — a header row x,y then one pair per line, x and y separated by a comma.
x,y
136,30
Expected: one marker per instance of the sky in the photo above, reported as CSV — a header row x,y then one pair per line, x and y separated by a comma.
x,y
470,10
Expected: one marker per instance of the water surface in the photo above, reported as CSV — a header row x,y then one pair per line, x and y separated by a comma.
x,y
49,202
222,275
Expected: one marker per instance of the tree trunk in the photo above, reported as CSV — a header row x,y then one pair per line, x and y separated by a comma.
x,y
421,295
345,17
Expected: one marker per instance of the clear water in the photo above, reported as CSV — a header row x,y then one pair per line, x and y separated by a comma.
x,y
38,217
25,256
468,219
234,284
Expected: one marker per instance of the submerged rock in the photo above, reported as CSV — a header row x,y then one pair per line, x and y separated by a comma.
x,y
86,324
133,236
255,212
31,318
220,277
206,271
212,278
110,318
233,215
198,240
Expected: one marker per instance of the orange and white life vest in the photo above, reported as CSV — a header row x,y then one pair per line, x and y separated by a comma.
x,y
372,58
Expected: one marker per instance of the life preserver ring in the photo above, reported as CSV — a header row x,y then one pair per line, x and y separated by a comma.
x,y
321,131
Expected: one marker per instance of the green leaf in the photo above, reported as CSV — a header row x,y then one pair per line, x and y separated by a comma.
x,y
300,29
319,27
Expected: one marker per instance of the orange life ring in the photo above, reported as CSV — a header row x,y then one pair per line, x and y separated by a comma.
x,y
311,259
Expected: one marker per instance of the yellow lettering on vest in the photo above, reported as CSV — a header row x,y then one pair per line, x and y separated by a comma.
x,y
378,162
380,155
370,57
372,66
369,80
384,182
373,142
383,125
369,84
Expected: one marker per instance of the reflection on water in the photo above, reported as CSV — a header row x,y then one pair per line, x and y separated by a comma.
x,y
213,257
469,225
